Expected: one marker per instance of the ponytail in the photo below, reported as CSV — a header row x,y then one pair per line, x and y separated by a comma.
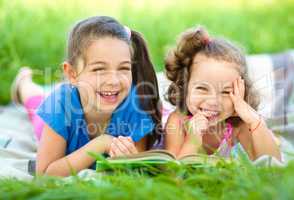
x,y
145,79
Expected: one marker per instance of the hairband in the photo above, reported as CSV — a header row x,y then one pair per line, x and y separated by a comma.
x,y
129,32
206,39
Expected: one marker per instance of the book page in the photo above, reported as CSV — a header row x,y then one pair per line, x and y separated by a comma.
x,y
199,158
147,155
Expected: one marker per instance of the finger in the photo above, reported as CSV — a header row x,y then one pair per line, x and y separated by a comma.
x,y
196,124
119,144
236,88
200,118
113,147
128,143
111,154
242,88
232,97
233,100
127,139
116,152
199,123
200,115
203,127
239,84
130,139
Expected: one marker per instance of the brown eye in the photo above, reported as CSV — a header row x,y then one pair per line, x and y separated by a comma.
x,y
125,68
98,69
226,92
201,88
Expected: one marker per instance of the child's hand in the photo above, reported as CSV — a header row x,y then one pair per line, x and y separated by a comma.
x,y
122,146
242,108
195,128
197,125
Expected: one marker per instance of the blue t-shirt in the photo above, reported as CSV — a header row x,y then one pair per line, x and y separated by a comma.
x,y
63,112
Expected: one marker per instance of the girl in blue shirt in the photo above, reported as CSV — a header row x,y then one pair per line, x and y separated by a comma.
x,y
110,105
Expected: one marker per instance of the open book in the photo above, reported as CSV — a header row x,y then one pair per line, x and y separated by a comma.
x,y
158,157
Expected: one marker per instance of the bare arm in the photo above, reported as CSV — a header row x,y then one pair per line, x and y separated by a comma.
x,y
259,142
193,129
174,134
51,159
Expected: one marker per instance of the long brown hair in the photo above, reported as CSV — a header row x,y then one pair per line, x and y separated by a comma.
x,y
143,74
179,60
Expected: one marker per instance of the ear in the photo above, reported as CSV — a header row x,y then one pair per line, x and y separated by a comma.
x,y
70,72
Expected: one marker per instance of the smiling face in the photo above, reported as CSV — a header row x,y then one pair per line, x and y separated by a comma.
x,y
106,78
210,84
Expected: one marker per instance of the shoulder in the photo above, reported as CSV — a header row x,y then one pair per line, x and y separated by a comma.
x,y
176,118
57,100
173,117
61,110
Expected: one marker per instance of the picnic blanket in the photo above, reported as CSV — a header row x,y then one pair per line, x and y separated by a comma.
x,y
273,76
18,146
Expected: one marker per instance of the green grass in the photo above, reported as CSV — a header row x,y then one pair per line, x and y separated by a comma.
x,y
34,32
226,181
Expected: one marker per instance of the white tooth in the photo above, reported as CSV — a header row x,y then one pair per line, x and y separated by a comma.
x,y
209,112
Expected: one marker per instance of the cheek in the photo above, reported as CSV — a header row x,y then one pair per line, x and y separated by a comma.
x,y
193,101
227,104
87,82
125,80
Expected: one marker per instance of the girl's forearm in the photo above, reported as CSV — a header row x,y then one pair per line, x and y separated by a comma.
x,y
79,159
263,142
191,145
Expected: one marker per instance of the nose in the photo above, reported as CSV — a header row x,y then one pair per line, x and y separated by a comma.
x,y
112,78
213,101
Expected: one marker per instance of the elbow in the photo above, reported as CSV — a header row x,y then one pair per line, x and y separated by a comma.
x,y
40,170
49,170
276,155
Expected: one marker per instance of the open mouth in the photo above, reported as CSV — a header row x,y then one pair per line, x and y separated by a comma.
x,y
210,114
109,96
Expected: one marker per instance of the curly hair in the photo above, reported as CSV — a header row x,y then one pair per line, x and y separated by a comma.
x,y
179,60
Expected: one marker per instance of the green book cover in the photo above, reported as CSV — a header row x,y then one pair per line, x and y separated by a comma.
x,y
155,158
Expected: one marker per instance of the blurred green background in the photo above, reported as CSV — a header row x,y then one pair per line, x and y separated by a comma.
x,y
34,32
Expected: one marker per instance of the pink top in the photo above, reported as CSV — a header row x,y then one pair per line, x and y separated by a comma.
x,y
225,146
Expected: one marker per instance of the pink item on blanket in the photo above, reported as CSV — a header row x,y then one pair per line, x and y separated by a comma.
x,y
31,105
